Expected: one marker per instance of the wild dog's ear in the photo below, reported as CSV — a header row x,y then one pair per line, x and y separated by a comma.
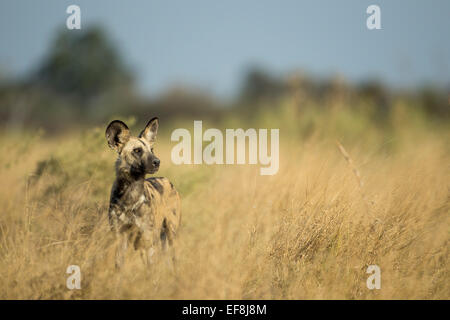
x,y
117,134
150,131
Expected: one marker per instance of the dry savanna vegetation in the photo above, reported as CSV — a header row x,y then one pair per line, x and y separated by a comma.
x,y
348,194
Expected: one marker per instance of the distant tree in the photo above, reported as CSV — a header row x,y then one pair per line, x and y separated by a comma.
x,y
259,84
82,63
375,92
435,102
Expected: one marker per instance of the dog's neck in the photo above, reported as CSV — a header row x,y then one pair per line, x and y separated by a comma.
x,y
127,178
127,187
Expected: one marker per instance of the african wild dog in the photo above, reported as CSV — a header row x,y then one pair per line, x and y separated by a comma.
x,y
143,212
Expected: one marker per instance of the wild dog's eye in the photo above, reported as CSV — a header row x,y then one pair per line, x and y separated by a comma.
x,y
138,151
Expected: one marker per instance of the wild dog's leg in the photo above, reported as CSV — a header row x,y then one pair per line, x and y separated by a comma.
x,y
121,242
167,239
163,237
150,255
173,259
147,247
121,249
147,256
143,254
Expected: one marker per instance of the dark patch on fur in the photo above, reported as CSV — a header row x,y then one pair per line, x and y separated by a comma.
x,y
141,142
116,137
137,240
164,231
120,188
157,185
137,170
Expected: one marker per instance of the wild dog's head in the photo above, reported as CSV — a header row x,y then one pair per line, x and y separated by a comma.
x,y
136,155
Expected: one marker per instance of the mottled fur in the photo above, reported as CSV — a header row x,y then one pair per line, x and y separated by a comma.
x,y
142,212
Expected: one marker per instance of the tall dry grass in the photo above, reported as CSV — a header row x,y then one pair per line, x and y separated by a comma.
x,y
308,232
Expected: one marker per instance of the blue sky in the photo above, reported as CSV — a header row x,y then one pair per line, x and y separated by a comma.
x,y
210,43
